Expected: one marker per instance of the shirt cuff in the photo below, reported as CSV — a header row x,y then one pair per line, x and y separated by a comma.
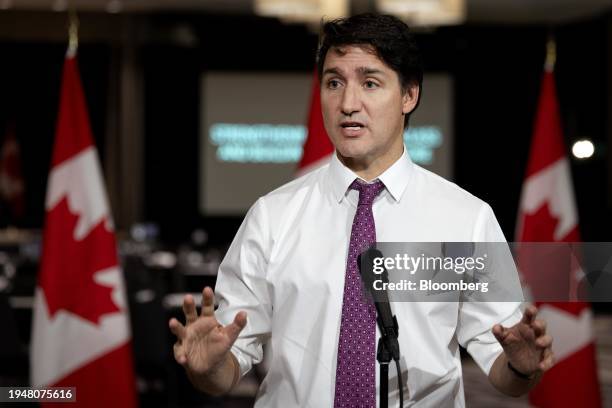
x,y
485,354
243,361
485,348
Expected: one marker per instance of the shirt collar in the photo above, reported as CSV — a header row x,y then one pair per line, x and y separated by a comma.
x,y
395,178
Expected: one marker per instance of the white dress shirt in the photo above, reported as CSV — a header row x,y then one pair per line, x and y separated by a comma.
x,y
286,269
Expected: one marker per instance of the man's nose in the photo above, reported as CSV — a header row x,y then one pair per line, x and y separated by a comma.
x,y
351,101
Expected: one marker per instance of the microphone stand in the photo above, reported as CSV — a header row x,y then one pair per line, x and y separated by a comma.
x,y
384,357
387,347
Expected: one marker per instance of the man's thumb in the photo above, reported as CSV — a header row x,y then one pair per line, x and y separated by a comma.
x,y
234,328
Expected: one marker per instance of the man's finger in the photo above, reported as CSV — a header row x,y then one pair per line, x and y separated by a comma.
x,y
500,332
539,326
548,360
544,341
529,314
234,328
179,354
177,328
189,309
208,302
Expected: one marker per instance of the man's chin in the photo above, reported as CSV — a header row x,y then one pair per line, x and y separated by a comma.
x,y
352,149
351,154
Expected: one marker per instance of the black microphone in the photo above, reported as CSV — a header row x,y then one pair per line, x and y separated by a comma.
x,y
387,322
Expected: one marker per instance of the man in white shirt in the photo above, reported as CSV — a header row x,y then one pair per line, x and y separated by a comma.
x,y
283,278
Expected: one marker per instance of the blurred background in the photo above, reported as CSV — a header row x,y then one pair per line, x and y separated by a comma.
x,y
180,92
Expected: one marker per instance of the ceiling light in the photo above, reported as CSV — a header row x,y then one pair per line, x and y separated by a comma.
x,y
59,5
6,4
425,12
114,6
583,149
308,11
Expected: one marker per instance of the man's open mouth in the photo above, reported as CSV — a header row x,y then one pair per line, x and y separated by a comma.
x,y
352,125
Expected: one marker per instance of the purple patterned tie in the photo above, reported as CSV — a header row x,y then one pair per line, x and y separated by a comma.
x,y
355,371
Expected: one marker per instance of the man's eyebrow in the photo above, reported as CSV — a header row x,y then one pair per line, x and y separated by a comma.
x,y
363,71
334,71
369,71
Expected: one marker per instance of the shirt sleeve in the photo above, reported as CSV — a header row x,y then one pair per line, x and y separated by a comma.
x,y
476,319
242,286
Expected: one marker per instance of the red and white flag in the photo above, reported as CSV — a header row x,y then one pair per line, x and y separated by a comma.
x,y
317,147
11,179
547,213
81,335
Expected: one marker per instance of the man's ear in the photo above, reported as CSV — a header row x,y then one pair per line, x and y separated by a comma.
x,y
410,98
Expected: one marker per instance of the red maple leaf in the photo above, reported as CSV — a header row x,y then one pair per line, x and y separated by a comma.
x,y
68,266
548,267
540,226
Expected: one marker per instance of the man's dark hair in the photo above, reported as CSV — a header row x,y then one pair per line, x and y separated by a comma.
x,y
389,37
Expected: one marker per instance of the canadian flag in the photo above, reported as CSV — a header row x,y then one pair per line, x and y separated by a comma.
x,y
317,148
547,213
81,335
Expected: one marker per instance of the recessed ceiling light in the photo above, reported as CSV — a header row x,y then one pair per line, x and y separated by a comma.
x,y
59,5
114,6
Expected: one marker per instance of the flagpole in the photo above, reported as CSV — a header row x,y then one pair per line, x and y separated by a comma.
x,y
551,54
73,33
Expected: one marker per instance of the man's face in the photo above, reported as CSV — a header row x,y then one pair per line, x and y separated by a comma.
x,y
362,104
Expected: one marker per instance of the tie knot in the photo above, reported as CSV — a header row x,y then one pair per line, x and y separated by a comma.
x,y
367,192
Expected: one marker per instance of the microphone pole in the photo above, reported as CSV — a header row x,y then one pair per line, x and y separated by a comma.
x,y
388,345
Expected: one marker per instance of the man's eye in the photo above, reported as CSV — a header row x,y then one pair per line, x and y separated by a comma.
x,y
371,84
333,84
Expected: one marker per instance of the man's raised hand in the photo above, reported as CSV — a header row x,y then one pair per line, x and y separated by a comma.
x,y
527,346
203,344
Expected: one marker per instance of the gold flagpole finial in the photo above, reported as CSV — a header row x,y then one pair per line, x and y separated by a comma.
x,y
73,33
551,54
